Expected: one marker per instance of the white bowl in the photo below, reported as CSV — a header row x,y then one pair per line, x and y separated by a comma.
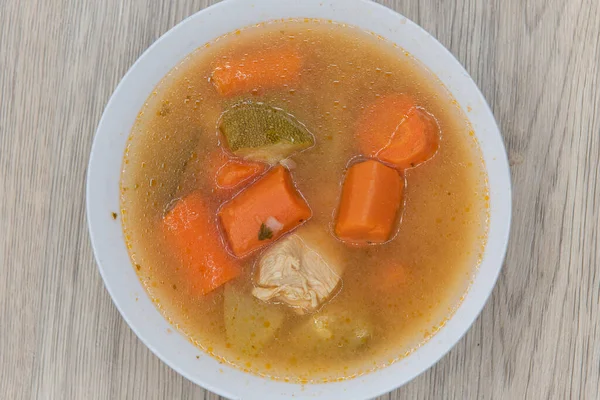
x,y
103,194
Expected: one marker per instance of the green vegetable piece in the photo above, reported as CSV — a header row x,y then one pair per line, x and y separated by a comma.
x,y
249,323
265,233
258,132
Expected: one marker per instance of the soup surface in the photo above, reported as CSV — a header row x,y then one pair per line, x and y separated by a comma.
x,y
271,224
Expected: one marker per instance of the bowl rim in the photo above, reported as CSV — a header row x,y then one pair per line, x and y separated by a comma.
x,y
251,386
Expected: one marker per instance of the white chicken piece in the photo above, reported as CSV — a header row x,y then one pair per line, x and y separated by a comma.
x,y
302,270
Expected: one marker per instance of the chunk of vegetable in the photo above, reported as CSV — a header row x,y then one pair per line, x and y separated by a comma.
x,y
397,132
213,164
244,217
415,141
371,198
379,121
258,132
302,270
388,278
234,172
264,70
249,323
335,330
191,232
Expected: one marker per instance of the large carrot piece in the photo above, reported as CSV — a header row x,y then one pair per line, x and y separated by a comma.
x,y
389,277
234,172
415,141
397,132
263,212
371,198
191,232
379,121
263,70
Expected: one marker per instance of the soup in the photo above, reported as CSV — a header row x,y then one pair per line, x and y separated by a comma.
x,y
304,201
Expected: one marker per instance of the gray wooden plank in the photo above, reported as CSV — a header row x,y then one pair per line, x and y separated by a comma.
x,y
537,63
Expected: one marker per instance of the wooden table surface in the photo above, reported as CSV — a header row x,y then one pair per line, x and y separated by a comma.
x,y
537,63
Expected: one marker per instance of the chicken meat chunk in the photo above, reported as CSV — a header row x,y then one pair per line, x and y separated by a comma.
x,y
303,270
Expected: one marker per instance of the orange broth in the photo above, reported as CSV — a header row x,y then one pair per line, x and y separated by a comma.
x,y
174,149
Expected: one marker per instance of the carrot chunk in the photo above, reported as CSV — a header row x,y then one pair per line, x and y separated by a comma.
x,y
213,164
380,120
371,198
263,212
415,141
227,172
264,70
397,132
234,172
191,232
389,277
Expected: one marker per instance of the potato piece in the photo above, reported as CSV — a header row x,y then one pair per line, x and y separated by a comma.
x,y
258,132
335,328
249,323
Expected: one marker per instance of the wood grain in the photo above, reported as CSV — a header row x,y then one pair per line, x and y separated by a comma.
x,y
537,63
